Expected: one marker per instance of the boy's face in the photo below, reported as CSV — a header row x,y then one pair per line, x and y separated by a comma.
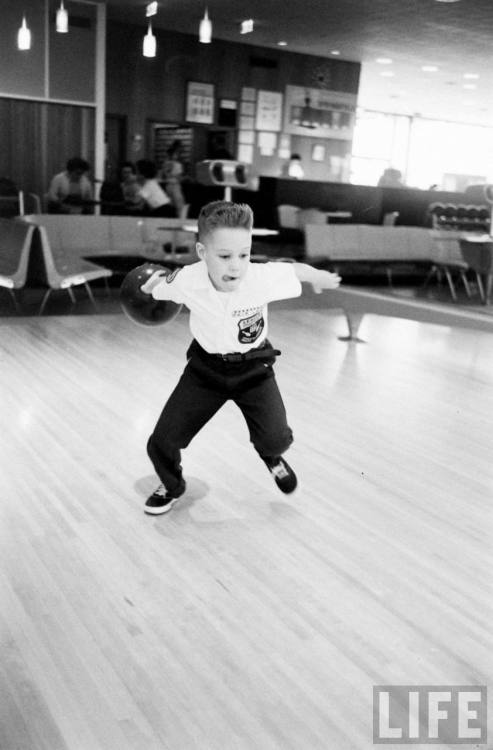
x,y
226,252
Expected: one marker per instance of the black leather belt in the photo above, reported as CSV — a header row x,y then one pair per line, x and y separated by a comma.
x,y
265,353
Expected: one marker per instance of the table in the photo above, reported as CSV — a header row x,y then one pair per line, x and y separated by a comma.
x,y
338,215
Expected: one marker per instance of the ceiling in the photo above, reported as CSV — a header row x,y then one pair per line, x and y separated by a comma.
x,y
455,37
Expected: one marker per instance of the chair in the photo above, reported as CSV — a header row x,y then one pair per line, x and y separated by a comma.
x,y
446,257
288,216
478,254
9,198
311,216
390,218
58,272
15,245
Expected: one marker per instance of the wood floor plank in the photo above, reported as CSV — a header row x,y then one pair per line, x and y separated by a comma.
x,y
243,619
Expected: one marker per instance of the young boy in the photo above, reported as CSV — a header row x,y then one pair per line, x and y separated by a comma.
x,y
230,356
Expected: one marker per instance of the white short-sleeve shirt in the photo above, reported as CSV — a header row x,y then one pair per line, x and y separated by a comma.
x,y
225,322
153,194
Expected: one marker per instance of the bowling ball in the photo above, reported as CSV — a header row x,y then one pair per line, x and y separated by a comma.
x,y
140,307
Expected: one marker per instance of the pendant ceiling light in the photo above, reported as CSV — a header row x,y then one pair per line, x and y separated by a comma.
x,y
24,36
62,19
205,29
149,46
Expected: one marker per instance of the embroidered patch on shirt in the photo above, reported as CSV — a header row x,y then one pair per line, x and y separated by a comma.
x,y
172,276
250,328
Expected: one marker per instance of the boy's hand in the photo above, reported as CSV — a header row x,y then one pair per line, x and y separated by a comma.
x,y
151,282
325,280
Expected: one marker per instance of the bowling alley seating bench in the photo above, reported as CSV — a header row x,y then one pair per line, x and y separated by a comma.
x,y
368,243
115,242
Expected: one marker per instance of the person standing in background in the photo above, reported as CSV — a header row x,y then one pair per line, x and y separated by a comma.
x,y
293,168
391,177
130,188
171,176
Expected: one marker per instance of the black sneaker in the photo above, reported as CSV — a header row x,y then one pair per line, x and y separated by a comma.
x,y
162,500
284,476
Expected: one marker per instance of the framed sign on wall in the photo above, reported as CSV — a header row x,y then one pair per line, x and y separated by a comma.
x,y
269,111
319,113
200,103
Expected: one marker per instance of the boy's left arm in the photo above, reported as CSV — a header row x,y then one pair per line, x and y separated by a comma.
x,y
318,278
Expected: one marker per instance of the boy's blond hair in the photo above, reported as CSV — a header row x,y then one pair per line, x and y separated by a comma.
x,y
219,214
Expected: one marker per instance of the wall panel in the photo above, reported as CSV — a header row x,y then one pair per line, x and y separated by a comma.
x,y
154,89
38,138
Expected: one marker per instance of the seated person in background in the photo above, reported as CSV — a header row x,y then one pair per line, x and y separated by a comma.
x,y
130,188
154,200
293,168
391,177
70,191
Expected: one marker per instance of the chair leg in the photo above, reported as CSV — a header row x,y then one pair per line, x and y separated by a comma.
x,y
44,301
71,294
480,287
466,283
450,282
432,272
90,294
489,285
14,300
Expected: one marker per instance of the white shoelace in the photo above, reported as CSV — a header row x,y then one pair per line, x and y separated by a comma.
x,y
280,471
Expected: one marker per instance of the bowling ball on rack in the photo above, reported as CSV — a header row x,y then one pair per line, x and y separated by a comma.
x,y
140,307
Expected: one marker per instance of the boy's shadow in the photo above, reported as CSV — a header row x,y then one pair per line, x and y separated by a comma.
x,y
262,510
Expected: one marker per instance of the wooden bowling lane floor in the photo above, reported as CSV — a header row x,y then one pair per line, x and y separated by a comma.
x,y
243,619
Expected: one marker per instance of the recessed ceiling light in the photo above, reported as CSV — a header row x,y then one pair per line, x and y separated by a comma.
x,y
282,44
429,68
447,1
469,86
471,76
383,60
335,52
387,73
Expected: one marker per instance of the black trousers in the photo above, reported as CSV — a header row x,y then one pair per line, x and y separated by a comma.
x,y
205,385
